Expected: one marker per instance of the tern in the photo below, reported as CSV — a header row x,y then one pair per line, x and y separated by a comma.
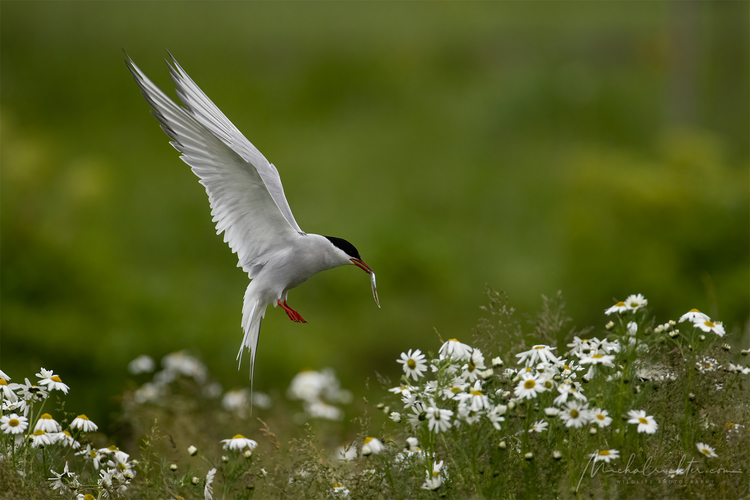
x,y
247,203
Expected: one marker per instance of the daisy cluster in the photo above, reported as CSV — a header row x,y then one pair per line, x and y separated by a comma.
x,y
545,392
27,431
320,392
180,367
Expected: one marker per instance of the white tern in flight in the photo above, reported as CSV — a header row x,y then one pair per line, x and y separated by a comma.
x,y
247,203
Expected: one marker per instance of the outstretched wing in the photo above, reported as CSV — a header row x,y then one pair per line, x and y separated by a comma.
x,y
244,190
211,117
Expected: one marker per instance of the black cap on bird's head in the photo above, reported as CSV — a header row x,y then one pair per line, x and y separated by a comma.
x,y
344,246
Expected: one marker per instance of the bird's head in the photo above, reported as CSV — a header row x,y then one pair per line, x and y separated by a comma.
x,y
349,255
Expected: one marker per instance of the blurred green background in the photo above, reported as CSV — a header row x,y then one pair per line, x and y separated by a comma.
x,y
597,148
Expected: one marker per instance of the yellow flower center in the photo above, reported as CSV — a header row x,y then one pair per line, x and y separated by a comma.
x,y
706,451
476,393
83,417
89,496
730,424
455,390
452,340
238,436
40,432
548,384
367,440
566,367
528,369
112,448
596,356
121,466
471,367
643,420
3,382
411,364
694,310
93,453
46,416
539,346
529,384
14,422
337,485
620,304
634,304
574,413
67,433
600,416
604,453
55,378
709,324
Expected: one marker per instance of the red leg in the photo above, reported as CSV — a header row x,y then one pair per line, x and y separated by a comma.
x,y
293,315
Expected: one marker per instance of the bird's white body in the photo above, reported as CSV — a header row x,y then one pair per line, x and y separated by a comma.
x,y
247,203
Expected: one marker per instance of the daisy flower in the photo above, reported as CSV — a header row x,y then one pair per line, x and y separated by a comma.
x,y
141,364
645,423
600,417
52,381
455,349
414,365
529,386
552,411
7,392
29,391
404,390
434,480
575,414
418,413
208,490
472,369
694,316
739,369
599,359
454,390
706,450
47,424
537,354
92,454
617,308
340,491
707,364
539,426
495,415
64,482
13,424
371,446
40,438
635,302
475,398
239,443
566,390
64,438
82,422
711,326
438,420
605,455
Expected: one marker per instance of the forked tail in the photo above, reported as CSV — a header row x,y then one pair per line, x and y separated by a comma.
x,y
252,315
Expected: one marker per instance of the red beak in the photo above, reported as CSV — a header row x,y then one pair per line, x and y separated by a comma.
x,y
361,264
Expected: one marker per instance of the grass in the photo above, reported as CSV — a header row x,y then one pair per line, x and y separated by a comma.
x,y
641,409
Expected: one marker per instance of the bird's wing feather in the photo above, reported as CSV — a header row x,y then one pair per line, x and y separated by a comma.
x,y
242,205
211,117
